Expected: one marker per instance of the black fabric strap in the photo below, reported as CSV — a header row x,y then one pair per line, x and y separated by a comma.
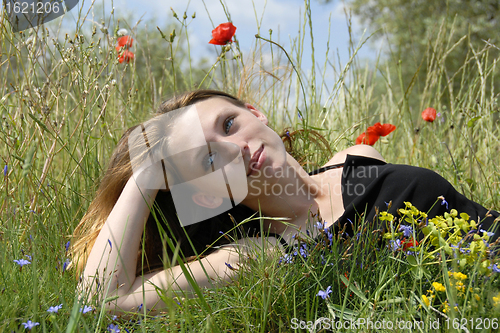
x,y
328,167
280,238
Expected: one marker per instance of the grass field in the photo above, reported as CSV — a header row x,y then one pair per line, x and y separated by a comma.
x,y
65,100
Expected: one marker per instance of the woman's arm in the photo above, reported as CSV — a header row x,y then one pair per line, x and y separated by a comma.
x,y
114,265
113,258
216,269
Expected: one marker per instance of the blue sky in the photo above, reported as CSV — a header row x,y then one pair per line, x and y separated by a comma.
x,y
282,16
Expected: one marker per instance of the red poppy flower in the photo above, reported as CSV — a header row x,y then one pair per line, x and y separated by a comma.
x,y
429,114
126,56
373,133
407,243
367,140
223,34
125,41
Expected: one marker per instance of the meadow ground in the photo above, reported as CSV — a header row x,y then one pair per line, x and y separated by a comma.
x,y
65,100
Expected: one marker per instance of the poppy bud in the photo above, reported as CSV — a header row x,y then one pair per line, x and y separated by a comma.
x,y
429,115
173,12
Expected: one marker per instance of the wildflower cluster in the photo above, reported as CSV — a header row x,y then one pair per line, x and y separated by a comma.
x,y
330,262
452,237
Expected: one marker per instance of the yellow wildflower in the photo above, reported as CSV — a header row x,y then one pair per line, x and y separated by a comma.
x,y
496,300
476,296
426,300
459,276
446,307
385,216
438,286
460,288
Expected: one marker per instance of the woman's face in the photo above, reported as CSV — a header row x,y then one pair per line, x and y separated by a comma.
x,y
227,130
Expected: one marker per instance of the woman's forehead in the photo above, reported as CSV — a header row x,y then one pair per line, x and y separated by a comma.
x,y
187,130
214,105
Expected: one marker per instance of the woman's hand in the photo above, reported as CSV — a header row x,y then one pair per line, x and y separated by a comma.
x,y
152,177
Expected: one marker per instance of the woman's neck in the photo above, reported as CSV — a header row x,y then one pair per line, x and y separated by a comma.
x,y
294,197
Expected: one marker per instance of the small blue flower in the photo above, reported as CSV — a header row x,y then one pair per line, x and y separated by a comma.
x,y
22,262
230,267
321,225
299,114
55,309
5,170
407,230
110,245
444,202
486,232
288,259
66,264
139,308
303,250
29,324
113,328
329,235
67,246
494,268
85,309
395,244
324,294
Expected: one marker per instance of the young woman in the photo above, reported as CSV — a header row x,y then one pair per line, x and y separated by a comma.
x,y
120,249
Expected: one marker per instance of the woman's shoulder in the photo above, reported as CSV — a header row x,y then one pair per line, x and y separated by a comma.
x,y
357,150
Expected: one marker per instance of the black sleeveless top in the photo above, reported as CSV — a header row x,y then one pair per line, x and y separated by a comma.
x,y
369,184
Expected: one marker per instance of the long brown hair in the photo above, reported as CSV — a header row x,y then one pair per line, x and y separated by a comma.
x,y
162,225
114,180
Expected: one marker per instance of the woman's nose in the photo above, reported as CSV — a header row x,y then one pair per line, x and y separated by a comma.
x,y
245,150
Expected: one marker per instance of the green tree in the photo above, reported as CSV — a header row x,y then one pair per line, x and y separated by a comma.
x,y
411,25
420,31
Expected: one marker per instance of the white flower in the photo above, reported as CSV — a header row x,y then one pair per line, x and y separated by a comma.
x,y
122,32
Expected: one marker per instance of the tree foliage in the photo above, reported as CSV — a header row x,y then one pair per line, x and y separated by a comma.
x,y
420,31
412,24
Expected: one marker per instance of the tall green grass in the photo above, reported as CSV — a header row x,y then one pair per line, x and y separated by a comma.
x,y
65,101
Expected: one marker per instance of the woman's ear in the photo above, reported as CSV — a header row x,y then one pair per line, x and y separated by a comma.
x,y
262,117
207,200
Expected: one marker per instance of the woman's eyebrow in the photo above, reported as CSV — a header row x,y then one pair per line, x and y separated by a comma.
x,y
222,113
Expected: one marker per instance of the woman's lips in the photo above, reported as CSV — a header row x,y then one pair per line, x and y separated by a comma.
x,y
256,161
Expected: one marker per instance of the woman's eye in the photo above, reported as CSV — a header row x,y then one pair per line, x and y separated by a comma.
x,y
209,160
227,124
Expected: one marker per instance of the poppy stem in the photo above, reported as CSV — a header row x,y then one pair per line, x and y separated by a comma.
x,y
211,68
293,66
